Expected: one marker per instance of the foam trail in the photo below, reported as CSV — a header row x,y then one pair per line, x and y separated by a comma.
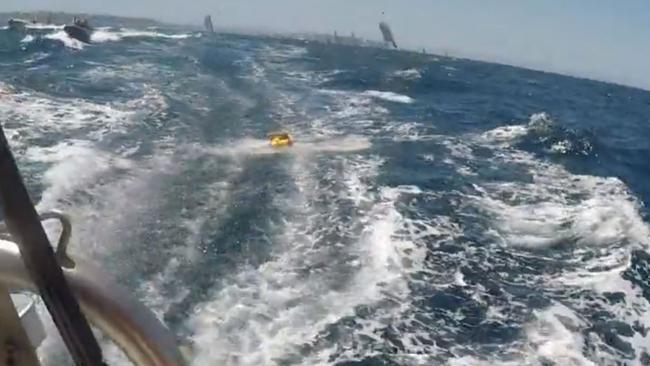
x,y
266,313
252,147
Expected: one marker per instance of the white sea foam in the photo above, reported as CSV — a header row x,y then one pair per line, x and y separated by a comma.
x,y
36,115
408,74
104,35
44,26
269,311
507,134
253,147
133,33
555,206
558,207
73,164
389,96
601,275
553,335
600,217
101,35
65,39
28,38
409,131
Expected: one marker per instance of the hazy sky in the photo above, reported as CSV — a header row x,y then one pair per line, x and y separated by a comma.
x,y
601,39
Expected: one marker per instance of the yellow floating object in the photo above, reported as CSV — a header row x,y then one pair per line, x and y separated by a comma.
x,y
280,139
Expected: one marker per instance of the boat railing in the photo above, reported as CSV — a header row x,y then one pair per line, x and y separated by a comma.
x,y
107,305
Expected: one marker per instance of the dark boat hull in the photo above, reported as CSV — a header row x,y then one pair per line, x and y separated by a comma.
x,y
77,33
17,24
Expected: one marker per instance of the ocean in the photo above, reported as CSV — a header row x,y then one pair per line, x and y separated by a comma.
x,y
432,211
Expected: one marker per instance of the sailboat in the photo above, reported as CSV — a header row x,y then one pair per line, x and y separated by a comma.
x,y
207,23
387,34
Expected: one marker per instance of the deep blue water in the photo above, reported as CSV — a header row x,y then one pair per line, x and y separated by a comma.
x,y
432,210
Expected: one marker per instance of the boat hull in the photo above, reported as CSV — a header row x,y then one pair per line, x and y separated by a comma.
x,y
17,25
78,33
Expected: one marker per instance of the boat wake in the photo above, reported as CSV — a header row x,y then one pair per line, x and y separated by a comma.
x,y
302,146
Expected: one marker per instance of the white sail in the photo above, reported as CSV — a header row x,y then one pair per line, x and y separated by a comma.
x,y
208,24
387,34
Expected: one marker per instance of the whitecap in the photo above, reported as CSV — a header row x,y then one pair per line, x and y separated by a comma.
x,y
65,39
408,74
389,96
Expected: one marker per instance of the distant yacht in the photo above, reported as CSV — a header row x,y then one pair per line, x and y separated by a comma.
x,y
207,22
79,30
17,24
387,34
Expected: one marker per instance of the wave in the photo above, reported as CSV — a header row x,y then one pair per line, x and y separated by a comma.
x,y
557,233
112,35
409,131
408,74
104,35
549,337
45,26
133,33
63,37
28,38
75,164
559,208
36,116
553,206
101,35
592,225
348,105
545,134
389,96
